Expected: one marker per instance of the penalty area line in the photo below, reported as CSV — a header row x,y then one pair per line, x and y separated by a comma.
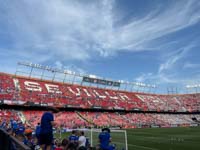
x,y
142,147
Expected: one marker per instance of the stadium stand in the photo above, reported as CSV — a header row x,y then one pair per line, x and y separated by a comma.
x,y
90,107
72,120
22,90
130,120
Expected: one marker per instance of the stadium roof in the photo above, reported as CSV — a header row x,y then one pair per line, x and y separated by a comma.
x,y
31,70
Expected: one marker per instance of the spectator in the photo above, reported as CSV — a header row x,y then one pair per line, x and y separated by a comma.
x,y
73,138
21,138
71,146
20,129
58,147
3,124
37,132
82,141
46,130
64,144
105,139
87,144
14,126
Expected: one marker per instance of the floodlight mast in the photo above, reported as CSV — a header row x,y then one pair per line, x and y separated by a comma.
x,y
194,87
43,68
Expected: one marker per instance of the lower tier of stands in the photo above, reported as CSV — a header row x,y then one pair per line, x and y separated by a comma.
x,y
101,119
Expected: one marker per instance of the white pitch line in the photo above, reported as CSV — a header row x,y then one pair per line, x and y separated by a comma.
x,y
142,147
139,146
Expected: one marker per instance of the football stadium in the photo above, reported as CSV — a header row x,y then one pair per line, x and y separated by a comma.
x,y
99,75
86,103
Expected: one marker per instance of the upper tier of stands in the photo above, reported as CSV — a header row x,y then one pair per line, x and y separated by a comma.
x,y
16,90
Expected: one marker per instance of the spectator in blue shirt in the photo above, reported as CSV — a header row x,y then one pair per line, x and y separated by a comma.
x,y
20,128
37,131
46,130
73,138
14,126
105,139
3,125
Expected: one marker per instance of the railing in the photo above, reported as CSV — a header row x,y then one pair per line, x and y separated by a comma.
x,y
8,142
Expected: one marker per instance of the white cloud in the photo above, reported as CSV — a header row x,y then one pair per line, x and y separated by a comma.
x,y
139,33
174,57
156,78
144,77
189,65
59,65
76,30
73,68
169,70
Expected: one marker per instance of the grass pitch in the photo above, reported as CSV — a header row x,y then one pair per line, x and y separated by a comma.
x,y
164,139
187,138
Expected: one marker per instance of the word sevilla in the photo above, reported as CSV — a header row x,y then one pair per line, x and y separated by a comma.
x,y
68,89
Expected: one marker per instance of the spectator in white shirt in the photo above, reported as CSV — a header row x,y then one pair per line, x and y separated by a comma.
x,y
82,141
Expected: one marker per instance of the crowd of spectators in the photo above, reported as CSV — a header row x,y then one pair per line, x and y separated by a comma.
x,y
70,120
15,91
40,135
35,128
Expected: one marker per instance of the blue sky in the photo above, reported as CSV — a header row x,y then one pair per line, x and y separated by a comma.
x,y
149,41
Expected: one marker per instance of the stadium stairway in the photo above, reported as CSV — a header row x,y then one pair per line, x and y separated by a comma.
x,y
85,119
21,116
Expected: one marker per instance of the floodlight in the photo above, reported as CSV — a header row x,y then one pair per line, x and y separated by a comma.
x,y
70,72
137,83
148,85
142,84
92,76
188,86
153,86
121,81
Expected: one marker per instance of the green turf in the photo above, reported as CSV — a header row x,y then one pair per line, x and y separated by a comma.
x,y
164,139
187,138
